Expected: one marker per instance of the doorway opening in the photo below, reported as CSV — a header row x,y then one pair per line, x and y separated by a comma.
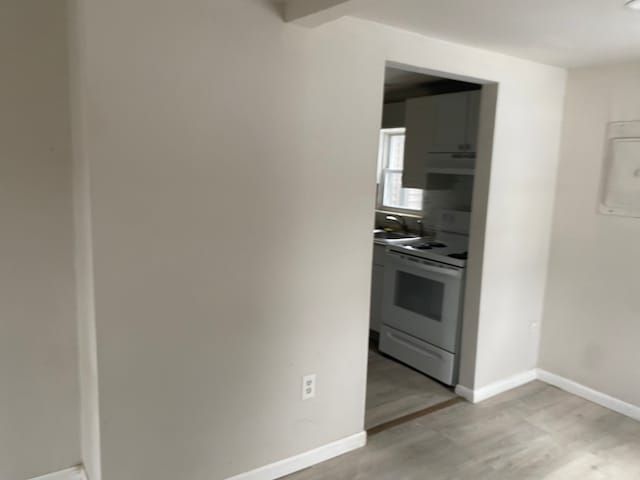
x,y
433,141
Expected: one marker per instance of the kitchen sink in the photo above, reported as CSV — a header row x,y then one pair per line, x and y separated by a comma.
x,y
393,237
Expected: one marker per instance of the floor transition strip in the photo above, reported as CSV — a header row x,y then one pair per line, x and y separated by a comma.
x,y
412,416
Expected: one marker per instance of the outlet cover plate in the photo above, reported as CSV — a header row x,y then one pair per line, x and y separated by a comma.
x,y
308,386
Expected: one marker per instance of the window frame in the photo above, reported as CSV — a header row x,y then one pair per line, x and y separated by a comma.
x,y
383,150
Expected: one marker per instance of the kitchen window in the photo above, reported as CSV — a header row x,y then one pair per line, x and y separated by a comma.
x,y
391,195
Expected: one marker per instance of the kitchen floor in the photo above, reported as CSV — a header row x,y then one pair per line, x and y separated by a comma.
x,y
395,390
531,433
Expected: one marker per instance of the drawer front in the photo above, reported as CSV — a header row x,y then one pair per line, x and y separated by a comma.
x,y
419,354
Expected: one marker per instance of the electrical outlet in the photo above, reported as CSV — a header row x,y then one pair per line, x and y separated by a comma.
x,y
308,386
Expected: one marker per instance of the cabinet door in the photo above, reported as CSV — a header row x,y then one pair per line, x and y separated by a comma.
x,y
436,125
419,119
377,286
379,254
473,117
448,131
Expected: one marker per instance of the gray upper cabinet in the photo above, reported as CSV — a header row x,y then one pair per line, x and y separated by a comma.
x,y
473,116
447,129
436,125
419,121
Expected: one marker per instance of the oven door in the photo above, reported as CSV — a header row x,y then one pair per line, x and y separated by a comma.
x,y
422,298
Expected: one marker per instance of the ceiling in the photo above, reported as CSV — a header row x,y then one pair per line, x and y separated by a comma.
x,y
395,78
400,85
558,32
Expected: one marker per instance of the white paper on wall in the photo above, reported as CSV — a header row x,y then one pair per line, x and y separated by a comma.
x,y
621,181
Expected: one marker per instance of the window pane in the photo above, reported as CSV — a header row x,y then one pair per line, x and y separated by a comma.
x,y
396,152
392,189
398,197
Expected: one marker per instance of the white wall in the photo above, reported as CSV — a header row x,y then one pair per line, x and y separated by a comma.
x,y
85,286
518,222
39,419
232,165
591,329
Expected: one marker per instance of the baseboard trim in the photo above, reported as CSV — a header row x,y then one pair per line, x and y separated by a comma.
x,y
304,460
575,388
465,393
590,394
74,473
496,388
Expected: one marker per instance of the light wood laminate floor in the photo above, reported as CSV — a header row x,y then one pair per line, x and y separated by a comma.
x,y
534,432
395,390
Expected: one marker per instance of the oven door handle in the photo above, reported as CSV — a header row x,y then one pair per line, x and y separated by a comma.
x,y
427,267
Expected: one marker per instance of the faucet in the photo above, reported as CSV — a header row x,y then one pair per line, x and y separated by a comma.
x,y
400,220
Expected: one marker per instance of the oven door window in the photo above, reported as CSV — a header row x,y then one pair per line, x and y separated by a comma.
x,y
420,295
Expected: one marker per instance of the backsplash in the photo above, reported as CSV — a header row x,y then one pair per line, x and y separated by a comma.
x,y
449,192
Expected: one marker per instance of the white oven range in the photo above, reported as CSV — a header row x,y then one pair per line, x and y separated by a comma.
x,y
422,305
